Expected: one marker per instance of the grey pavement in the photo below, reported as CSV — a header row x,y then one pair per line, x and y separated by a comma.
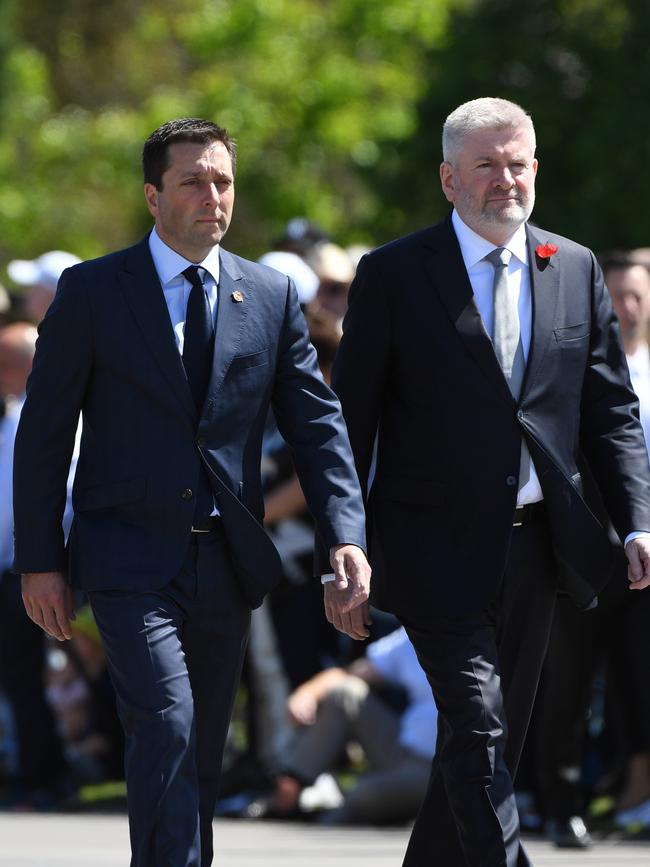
x,y
102,841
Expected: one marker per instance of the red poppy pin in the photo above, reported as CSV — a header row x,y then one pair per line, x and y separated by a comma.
x,y
545,251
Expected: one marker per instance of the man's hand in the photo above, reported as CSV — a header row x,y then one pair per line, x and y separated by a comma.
x,y
638,556
346,598
48,602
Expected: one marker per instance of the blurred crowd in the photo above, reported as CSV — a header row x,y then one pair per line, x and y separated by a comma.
x,y
326,728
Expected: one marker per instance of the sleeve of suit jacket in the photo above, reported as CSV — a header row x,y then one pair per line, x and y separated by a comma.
x,y
611,436
309,418
361,365
47,429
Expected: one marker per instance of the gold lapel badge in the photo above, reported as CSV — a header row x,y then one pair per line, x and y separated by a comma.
x,y
237,297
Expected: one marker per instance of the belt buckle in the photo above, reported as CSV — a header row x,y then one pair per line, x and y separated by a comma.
x,y
520,509
195,530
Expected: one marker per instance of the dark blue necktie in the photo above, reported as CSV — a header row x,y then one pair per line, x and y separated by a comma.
x,y
198,348
198,344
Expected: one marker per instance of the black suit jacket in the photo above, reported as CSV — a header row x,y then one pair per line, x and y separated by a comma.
x,y
106,348
417,365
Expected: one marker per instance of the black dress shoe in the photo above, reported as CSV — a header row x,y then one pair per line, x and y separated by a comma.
x,y
568,833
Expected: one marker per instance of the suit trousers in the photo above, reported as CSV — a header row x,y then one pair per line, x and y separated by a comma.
x,y
175,657
484,668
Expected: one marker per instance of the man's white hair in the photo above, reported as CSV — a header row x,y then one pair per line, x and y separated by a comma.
x,y
488,112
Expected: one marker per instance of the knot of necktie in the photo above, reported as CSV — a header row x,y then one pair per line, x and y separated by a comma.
x,y
194,275
499,257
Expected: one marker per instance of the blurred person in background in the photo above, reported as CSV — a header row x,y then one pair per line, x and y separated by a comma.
x,y
290,264
300,235
335,272
616,632
484,355
338,706
39,278
291,639
42,778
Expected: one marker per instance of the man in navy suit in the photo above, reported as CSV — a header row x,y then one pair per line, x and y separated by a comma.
x,y
173,351
485,354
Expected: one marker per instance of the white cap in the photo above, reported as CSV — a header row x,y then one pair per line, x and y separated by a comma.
x,y
293,266
45,270
331,263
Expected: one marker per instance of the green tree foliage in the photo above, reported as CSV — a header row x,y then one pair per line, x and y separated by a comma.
x,y
337,106
582,69
313,90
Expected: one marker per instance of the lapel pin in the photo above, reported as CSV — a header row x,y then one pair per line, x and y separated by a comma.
x,y
237,297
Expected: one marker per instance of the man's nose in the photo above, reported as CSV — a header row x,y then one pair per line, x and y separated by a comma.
x,y
212,195
503,177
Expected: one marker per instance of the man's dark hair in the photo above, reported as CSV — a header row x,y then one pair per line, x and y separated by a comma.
x,y
613,260
186,129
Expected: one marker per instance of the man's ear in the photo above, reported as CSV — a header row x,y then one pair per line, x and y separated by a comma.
x,y
447,180
151,197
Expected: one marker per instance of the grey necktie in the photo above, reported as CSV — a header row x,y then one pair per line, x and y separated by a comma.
x,y
506,338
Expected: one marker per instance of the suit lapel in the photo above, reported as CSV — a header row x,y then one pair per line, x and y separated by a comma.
x,y
544,281
447,269
234,300
144,295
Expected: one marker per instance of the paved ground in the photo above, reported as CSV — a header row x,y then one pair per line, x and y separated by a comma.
x,y
101,841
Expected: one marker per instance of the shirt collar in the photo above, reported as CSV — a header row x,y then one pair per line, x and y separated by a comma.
x,y
474,247
169,264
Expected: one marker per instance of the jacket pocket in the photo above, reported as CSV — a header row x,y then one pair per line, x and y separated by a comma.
x,y
246,362
110,495
572,332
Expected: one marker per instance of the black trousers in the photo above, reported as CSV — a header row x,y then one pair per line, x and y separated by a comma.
x,y
22,673
175,656
484,669
617,631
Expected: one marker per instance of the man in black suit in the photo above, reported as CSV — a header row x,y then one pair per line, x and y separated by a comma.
x,y
173,351
484,355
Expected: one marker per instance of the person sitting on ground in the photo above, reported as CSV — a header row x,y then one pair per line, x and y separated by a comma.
x,y
339,705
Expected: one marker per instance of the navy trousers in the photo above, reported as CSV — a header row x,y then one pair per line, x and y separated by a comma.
x,y
175,658
484,669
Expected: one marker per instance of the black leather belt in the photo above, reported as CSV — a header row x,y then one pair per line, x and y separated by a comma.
x,y
526,514
213,523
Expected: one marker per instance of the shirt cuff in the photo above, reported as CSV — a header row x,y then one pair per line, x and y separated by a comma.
x,y
325,579
635,535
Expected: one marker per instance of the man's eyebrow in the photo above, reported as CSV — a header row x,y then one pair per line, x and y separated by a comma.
x,y
196,173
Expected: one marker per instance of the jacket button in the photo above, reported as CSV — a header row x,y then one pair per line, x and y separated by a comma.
x,y
520,413
187,494
511,481
200,441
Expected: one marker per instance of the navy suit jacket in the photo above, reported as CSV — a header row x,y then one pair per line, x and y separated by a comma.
x,y
106,348
416,365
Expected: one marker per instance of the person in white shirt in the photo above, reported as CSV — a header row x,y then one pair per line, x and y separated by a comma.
x,y
618,629
339,705
41,779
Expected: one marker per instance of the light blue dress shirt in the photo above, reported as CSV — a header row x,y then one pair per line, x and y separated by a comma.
x,y
170,266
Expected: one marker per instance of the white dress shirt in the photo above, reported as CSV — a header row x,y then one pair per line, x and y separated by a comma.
x,y
474,249
176,288
170,266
